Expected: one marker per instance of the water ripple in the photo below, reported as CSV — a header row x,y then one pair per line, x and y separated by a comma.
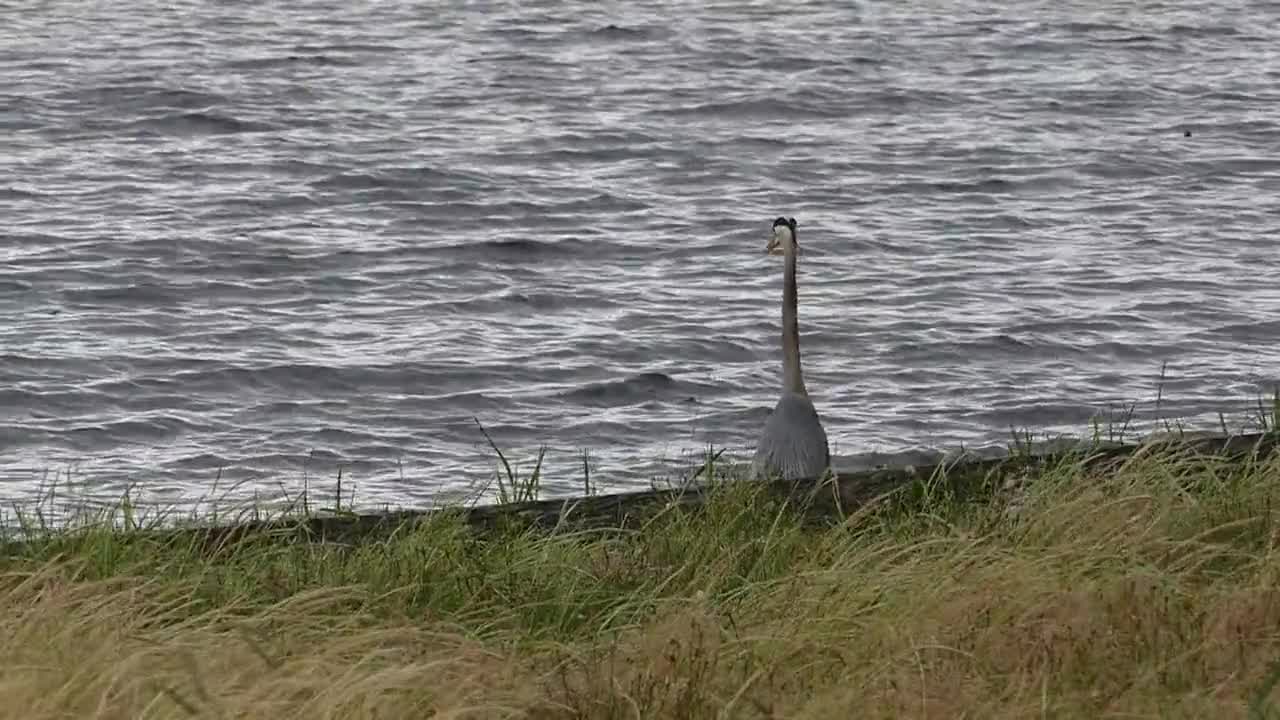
x,y
258,245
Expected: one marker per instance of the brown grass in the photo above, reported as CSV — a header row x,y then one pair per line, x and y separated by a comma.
x,y
1150,592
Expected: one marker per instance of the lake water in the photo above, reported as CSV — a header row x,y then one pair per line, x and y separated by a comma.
x,y
254,243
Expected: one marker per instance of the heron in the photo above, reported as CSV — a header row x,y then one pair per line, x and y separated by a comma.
x,y
793,444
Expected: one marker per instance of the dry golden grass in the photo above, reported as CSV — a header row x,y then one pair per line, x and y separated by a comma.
x,y
1150,592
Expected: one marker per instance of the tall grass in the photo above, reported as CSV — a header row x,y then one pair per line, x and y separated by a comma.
x,y
1148,591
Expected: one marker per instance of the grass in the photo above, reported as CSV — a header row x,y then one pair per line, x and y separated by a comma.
x,y
1148,591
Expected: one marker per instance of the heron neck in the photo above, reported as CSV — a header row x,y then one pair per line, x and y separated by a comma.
x,y
792,380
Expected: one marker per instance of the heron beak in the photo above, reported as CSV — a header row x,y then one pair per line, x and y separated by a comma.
x,y
774,245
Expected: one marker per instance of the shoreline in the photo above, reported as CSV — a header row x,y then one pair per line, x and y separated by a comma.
x,y
960,475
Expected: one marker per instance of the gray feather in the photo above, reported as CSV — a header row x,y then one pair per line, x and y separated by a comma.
x,y
793,444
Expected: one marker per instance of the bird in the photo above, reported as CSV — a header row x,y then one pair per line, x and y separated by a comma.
x,y
793,443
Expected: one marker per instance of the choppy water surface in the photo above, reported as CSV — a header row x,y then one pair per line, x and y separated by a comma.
x,y
271,240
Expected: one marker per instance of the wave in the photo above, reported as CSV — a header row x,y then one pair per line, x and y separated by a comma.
x,y
637,389
201,123
283,61
141,294
143,93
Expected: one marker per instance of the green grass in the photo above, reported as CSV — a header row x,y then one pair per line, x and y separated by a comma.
x,y
1149,590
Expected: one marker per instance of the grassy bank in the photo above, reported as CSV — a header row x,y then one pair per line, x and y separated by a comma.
x,y
1148,590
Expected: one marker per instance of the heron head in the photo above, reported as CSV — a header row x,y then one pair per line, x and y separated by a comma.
x,y
783,236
